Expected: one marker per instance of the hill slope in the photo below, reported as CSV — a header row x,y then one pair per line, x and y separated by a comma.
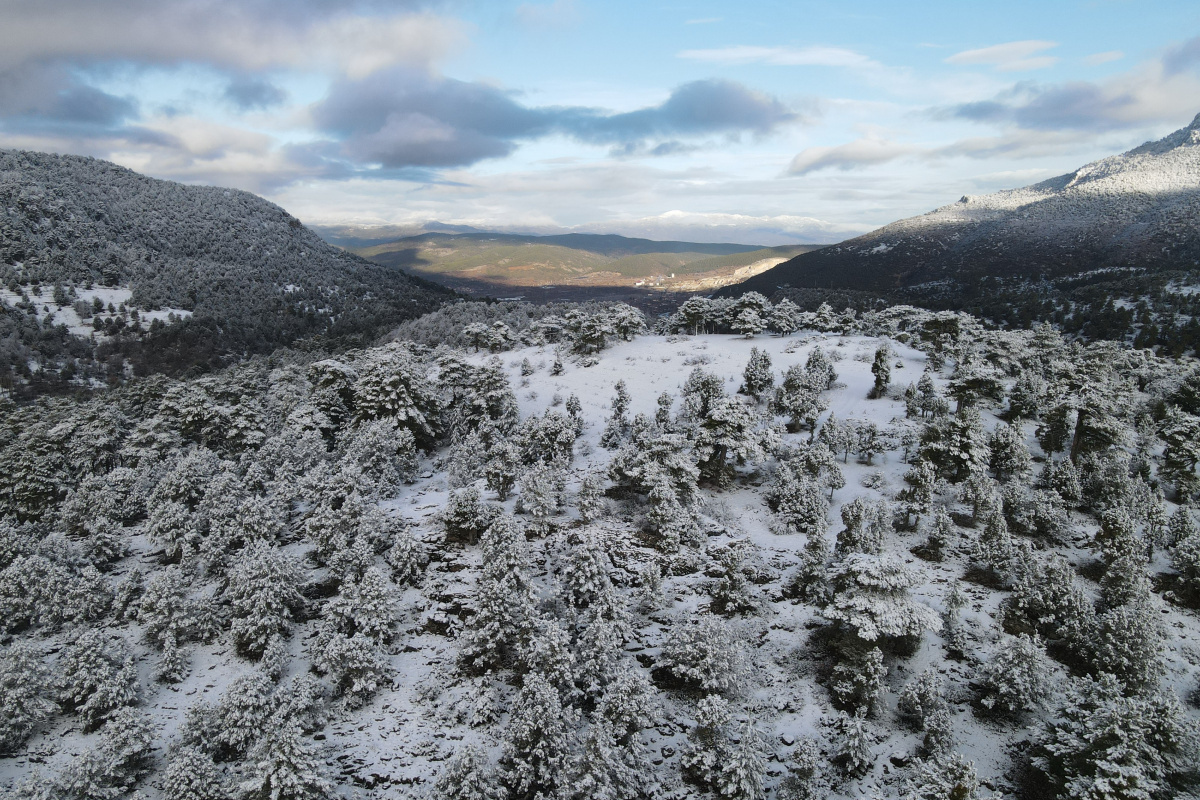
x,y
1137,209
250,276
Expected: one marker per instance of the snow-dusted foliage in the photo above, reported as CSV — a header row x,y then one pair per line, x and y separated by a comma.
x,y
386,572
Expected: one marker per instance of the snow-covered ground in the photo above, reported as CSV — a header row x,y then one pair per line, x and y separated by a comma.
x,y
392,747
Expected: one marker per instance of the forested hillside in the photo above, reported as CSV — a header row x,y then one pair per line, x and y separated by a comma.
x,y
242,274
752,553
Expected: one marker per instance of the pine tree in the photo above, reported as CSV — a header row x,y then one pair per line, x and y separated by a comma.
x,y
504,598
705,654
854,754
946,777
871,600
806,773
709,745
1017,677
191,774
799,501
868,523
25,694
617,428
355,665
590,501
97,677
365,606
741,776
603,770
263,591
757,378
286,765
881,368
921,698
466,517
1010,458
537,742
857,679
466,777
1103,744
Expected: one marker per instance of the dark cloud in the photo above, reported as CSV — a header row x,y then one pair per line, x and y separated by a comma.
x,y
403,118
52,95
1069,106
1185,56
249,93
699,108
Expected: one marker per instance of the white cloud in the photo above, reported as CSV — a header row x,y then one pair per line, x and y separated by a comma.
x,y
557,14
1096,59
817,56
226,38
1010,56
858,153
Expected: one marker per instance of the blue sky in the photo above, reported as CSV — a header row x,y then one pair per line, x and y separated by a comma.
x,y
752,121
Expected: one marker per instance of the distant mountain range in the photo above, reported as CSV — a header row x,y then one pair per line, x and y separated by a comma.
x,y
1137,209
488,262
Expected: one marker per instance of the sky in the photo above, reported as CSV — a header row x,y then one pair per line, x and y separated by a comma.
x,y
760,121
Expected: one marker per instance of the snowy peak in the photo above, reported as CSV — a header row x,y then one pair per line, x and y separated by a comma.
x,y
1135,209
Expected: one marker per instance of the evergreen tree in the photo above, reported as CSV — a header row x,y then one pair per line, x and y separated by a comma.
x,y
191,774
870,598
504,598
1009,456
881,368
854,754
857,680
1101,743
947,777
25,694
466,777
757,379
263,592
537,742
1017,677
286,765
97,677
704,653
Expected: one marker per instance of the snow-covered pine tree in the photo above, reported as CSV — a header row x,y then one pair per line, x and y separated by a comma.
x,y
944,777
1101,743
704,653
466,776
871,599
616,430
366,605
881,369
191,774
798,500
97,677
757,379
1009,458
709,746
921,697
857,680
263,592
854,755
538,740
806,772
25,694
590,501
505,610
1017,678
741,775
868,523
286,765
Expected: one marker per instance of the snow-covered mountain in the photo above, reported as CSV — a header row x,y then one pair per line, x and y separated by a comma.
x,y
1137,209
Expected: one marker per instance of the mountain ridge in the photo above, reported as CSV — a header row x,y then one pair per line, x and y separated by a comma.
x,y
1134,209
